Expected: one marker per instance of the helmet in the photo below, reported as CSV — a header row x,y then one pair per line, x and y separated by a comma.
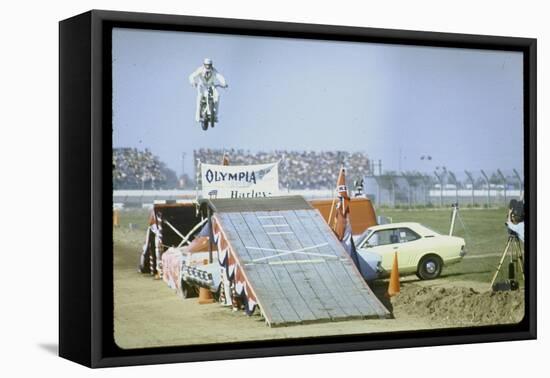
x,y
207,62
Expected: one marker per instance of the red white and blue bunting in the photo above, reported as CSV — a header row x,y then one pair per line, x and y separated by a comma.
x,y
236,288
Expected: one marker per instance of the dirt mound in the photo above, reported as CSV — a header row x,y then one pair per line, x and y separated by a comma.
x,y
459,306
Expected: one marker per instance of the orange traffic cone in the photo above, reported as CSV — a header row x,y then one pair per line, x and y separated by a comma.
x,y
116,218
205,296
393,288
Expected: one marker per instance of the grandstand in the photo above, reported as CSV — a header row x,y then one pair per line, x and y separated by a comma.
x,y
139,177
136,169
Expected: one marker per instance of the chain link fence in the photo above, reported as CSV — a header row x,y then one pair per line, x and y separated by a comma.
x,y
442,188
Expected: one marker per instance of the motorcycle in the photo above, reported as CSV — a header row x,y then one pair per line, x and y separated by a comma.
x,y
208,110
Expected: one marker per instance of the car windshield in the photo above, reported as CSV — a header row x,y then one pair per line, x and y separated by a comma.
x,y
364,236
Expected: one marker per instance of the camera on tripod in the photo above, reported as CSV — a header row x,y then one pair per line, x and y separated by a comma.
x,y
516,217
513,250
517,211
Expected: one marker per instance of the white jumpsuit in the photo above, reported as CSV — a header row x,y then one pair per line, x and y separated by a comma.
x,y
203,82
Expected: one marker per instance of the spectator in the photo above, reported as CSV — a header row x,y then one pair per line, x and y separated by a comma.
x,y
298,169
135,169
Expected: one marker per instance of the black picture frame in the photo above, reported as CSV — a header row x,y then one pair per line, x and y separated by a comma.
x,y
85,229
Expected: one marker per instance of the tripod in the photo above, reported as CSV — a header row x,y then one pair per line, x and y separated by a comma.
x,y
514,252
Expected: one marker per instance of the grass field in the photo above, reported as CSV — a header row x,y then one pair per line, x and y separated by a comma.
x,y
484,232
149,314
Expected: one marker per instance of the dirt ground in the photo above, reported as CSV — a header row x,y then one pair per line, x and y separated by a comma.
x,y
149,314
460,306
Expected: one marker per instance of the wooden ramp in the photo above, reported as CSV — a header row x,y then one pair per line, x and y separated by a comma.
x,y
297,269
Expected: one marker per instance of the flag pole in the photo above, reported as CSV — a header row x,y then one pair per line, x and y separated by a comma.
x,y
225,159
331,210
334,201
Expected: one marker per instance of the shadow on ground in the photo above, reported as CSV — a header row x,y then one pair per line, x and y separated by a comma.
x,y
380,289
51,348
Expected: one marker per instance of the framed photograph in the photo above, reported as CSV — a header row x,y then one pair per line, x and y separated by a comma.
x,y
234,188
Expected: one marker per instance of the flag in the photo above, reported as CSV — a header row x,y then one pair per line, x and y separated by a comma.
x,y
342,226
342,205
225,159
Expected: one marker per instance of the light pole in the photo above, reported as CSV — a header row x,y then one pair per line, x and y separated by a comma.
x,y
426,160
440,179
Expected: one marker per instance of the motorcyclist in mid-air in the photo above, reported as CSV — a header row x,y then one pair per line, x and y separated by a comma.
x,y
204,77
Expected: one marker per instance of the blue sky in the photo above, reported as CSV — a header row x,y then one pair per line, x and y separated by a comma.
x,y
395,103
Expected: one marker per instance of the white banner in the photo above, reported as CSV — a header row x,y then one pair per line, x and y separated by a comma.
x,y
239,181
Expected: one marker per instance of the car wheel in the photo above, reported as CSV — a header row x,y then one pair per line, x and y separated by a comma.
x,y
188,291
429,267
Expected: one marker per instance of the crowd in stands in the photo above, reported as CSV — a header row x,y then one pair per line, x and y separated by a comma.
x,y
298,169
140,169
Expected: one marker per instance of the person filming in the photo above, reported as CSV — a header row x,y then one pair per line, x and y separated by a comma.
x,y
515,221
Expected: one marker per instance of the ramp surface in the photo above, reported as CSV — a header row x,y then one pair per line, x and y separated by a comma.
x,y
293,262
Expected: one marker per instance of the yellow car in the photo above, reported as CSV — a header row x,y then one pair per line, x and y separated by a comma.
x,y
419,249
